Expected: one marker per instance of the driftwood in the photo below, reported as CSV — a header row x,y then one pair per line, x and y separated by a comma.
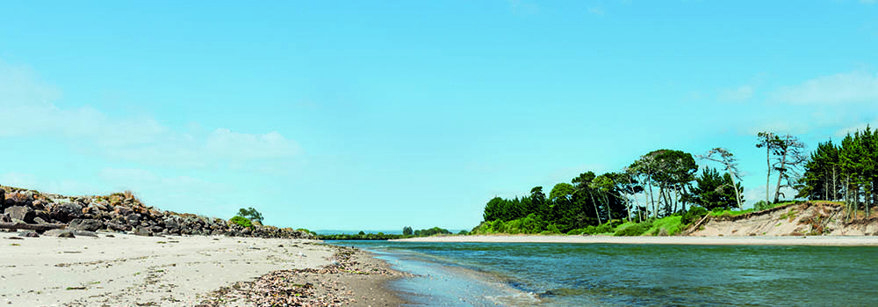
x,y
37,227
694,228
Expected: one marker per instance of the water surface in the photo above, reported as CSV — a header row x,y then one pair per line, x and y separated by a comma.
x,y
618,274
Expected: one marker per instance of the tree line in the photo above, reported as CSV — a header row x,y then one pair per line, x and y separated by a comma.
x,y
844,172
666,182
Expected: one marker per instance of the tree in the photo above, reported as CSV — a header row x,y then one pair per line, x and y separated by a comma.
x,y
713,191
250,214
789,158
583,184
731,165
407,231
769,141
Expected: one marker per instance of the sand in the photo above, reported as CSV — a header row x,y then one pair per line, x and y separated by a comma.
x,y
127,270
674,240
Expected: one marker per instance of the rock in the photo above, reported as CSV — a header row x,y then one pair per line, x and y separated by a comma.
x,y
2,199
86,224
61,233
85,233
122,211
39,220
5,218
133,219
65,212
142,231
23,213
29,234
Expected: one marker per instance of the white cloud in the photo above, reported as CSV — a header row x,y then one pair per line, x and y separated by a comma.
x,y
841,88
29,111
860,127
868,1
742,93
596,11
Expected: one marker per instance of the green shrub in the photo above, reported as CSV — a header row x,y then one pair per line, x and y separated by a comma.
x,y
671,225
241,221
631,229
693,215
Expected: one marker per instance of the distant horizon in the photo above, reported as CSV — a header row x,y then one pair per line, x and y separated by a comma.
x,y
371,115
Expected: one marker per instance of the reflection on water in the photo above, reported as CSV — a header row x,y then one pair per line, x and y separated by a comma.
x,y
607,274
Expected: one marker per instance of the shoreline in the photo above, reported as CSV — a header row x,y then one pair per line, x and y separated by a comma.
x,y
670,240
124,270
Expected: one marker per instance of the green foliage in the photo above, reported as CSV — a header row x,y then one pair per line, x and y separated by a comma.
x,y
407,231
761,205
671,225
693,215
713,190
632,229
251,214
241,221
431,232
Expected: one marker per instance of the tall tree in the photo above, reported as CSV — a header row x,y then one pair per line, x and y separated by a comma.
x,y
789,157
769,141
584,186
731,165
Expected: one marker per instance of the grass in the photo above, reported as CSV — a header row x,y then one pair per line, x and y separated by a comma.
x,y
632,229
671,225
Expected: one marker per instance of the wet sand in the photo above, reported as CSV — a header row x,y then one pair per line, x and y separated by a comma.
x,y
674,240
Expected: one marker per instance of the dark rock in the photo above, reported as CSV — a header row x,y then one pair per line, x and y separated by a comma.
x,y
42,215
5,218
23,213
86,224
117,226
15,238
61,233
2,199
29,234
133,219
65,212
141,231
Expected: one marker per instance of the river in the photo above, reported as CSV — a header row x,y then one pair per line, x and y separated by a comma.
x,y
555,274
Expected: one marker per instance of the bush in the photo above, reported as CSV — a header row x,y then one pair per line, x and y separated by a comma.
x,y
666,226
631,229
693,215
762,205
241,221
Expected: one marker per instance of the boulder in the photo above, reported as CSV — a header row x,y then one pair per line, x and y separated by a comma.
x,y
23,213
142,231
29,234
5,218
65,212
61,233
86,224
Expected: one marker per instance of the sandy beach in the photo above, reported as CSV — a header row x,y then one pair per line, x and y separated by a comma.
x,y
674,240
127,270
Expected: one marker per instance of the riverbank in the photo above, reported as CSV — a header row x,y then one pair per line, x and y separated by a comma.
x,y
126,270
670,240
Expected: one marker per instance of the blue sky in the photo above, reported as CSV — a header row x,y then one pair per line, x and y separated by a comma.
x,y
381,114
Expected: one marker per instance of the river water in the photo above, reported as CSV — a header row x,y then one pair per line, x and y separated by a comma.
x,y
551,274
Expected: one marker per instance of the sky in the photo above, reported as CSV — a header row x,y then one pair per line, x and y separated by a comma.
x,y
384,114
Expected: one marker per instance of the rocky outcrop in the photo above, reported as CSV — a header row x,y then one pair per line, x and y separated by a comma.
x,y
121,212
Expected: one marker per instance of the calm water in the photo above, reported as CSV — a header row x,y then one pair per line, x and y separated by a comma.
x,y
644,275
